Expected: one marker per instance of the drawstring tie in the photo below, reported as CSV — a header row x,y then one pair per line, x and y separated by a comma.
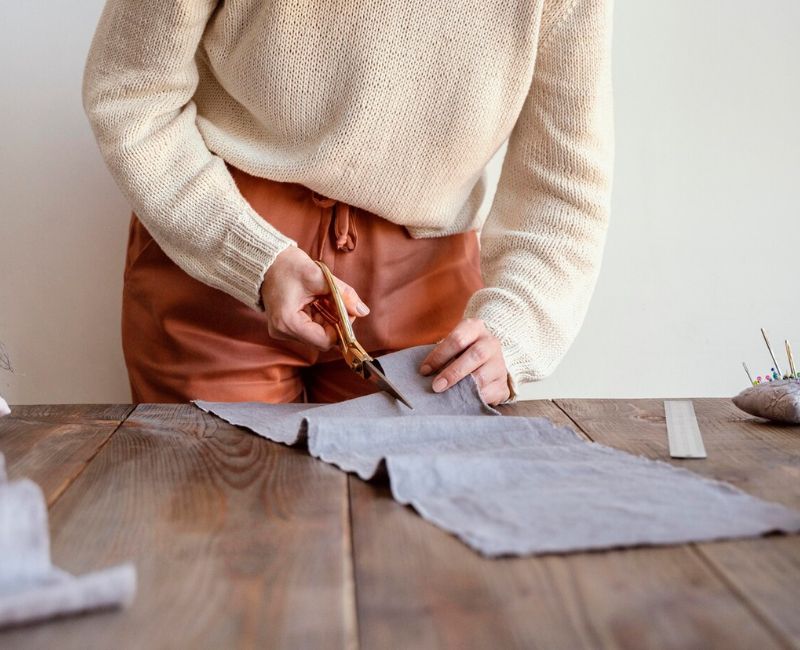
x,y
344,224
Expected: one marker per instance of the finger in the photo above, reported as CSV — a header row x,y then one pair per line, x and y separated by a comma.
x,y
276,334
491,371
318,318
492,380
468,361
277,328
463,335
321,320
355,306
331,333
316,286
496,392
302,328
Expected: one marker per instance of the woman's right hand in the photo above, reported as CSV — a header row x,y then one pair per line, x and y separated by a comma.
x,y
291,284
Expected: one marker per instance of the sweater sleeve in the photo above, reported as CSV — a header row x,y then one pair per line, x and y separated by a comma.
x,y
542,242
138,83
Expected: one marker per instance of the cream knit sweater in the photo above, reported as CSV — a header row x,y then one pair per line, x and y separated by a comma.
x,y
392,106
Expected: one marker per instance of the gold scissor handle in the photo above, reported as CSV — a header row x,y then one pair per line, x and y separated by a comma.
x,y
353,353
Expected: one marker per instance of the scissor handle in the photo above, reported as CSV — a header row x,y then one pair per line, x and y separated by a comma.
x,y
338,301
325,312
352,351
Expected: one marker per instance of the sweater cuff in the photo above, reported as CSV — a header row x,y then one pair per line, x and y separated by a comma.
x,y
249,248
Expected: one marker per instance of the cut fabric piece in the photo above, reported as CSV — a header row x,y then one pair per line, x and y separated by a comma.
x,y
31,588
520,486
532,502
285,422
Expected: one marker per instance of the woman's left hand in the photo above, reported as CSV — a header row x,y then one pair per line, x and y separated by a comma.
x,y
469,348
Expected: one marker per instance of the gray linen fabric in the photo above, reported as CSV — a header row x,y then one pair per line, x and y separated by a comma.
x,y
777,400
518,486
284,422
531,501
31,588
510,485
362,443
278,422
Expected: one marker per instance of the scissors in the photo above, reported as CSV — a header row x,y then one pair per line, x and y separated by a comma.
x,y
356,357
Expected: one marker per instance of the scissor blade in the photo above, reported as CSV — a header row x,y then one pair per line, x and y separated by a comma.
x,y
375,374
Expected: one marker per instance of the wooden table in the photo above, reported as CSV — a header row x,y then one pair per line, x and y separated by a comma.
x,y
239,542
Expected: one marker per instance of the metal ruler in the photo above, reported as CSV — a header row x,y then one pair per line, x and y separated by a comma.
x,y
684,436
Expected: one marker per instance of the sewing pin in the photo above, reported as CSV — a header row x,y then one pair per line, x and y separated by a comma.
x,y
769,347
749,376
792,370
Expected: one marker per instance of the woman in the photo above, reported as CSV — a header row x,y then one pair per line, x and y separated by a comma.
x,y
253,137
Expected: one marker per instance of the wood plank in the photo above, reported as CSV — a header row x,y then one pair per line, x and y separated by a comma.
x,y
759,457
51,444
417,586
238,542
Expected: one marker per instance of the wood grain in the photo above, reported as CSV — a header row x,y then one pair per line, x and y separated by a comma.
x,y
417,586
759,457
238,542
51,445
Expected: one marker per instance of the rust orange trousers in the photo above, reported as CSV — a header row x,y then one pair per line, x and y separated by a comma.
x,y
185,340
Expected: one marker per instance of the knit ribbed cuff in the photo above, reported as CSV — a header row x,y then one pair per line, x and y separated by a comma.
x,y
248,250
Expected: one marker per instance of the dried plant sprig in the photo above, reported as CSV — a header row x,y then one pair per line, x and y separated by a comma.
x,y
5,361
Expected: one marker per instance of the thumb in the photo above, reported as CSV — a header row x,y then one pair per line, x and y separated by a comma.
x,y
318,286
355,306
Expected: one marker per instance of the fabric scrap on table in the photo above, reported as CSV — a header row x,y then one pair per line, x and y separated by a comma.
x,y
285,422
31,588
510,485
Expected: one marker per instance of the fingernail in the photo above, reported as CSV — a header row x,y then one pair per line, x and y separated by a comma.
x,y
362,309
439,384
425,369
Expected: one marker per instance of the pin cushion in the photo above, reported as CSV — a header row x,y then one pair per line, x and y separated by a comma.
x,y
777,400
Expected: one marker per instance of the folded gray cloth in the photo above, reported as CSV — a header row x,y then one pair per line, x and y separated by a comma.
x,y
510,485
776,400
31,588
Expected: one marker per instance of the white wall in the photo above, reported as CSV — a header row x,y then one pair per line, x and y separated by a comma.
x,y
63,222
702,250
